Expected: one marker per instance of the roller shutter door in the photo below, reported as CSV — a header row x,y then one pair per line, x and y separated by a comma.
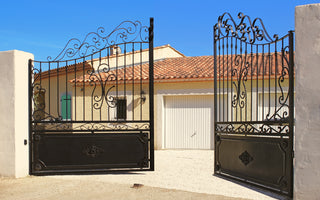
x,y
188,122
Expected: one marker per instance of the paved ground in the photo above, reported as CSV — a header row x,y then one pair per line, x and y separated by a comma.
x,y
178,175
40,188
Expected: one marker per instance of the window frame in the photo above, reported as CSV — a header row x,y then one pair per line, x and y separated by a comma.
x,y
122,111
69,111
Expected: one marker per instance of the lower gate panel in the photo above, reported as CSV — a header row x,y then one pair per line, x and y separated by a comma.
x,y
257,160
54,153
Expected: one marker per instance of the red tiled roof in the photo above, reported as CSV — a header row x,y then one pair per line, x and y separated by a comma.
x,y
64,70
193,68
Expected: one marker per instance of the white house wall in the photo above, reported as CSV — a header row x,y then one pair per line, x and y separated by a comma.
x,y
138,57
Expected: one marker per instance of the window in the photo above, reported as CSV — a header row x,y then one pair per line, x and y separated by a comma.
x,y
66,107
121,109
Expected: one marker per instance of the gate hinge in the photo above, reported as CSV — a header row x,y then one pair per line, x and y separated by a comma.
x,y
292,154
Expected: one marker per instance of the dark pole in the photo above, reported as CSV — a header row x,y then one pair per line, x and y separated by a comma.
x,y
30,91
151,95
291,106
215,97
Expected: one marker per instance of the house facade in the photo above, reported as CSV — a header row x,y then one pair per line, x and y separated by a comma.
x,y
183,94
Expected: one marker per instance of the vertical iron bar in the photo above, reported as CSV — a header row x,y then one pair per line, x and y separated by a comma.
x,y
215,97
132,64
270,70
246,101
102,86
291,108
117,78
262,87
238,92
49,90
108,57
141,80
67,90
219,82
83,90
58,104
92,94
75,89
222,80
231,88
276,77
251,90
124,75
30,90
227,79
241,71
151,97
257,86
40,74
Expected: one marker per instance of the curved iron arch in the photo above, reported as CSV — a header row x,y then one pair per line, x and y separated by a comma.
x,y
125,32
246,30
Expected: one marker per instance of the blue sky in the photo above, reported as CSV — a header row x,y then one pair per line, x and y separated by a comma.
x,y
44,27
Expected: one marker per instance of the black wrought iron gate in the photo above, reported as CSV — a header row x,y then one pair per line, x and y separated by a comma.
x,y
91,107
254,110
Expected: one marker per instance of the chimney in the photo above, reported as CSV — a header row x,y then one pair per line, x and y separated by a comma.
x,y
114,50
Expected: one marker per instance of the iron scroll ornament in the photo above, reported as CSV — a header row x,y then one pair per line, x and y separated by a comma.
x,y
125,32
95,76
240,97
246,30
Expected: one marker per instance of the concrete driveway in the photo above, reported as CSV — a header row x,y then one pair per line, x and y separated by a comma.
x,y
179,172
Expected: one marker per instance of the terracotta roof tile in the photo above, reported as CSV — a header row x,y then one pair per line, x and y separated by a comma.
x,y
195,68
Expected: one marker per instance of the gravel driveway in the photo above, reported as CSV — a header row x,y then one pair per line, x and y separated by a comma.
x,y
188,170
183,170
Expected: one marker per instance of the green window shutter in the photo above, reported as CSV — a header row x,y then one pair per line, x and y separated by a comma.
x,y
66,107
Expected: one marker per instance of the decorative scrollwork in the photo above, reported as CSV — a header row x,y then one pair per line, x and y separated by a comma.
x,y
125,32
240,72
246,30
96,76
281,113
257,129
112,126
90,126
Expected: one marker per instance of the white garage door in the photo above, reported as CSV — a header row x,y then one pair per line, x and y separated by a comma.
x,y
188,122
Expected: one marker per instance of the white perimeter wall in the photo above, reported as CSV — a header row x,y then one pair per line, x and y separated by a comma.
x,y
307,102
14,156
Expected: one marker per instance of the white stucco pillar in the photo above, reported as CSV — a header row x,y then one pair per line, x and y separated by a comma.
x,y
14,153
307,103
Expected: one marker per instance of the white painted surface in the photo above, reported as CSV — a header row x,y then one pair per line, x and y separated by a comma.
x,y
160,53
14,156
188,122
307,102
160,110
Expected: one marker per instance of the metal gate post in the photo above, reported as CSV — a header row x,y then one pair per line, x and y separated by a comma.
x,y
215,97
291,106
151,95
30,91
